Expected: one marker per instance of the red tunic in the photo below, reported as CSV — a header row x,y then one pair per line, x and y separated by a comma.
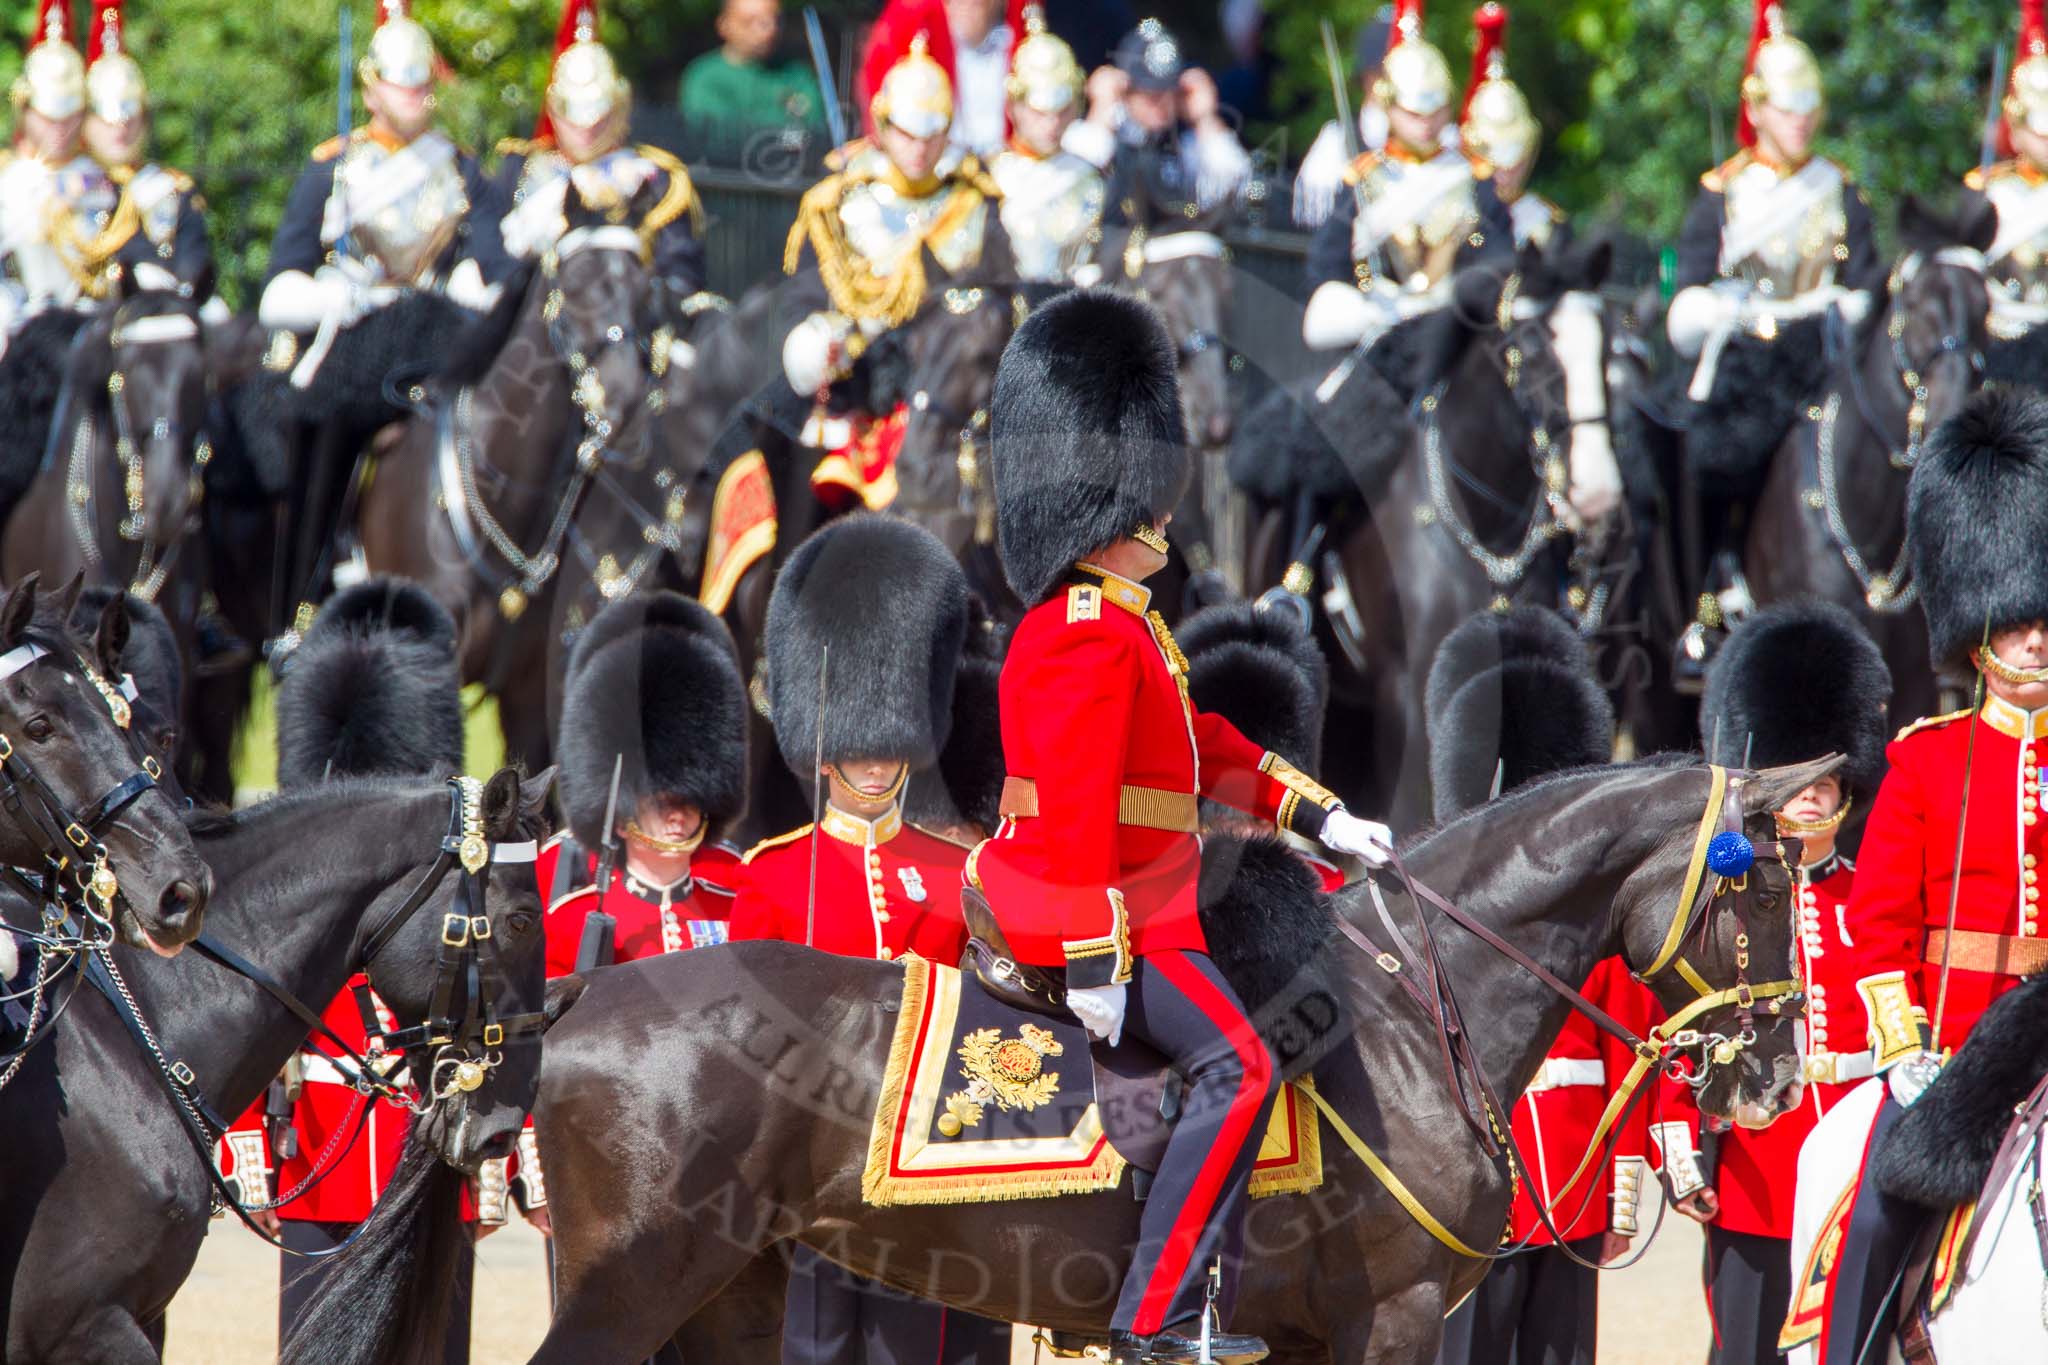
x,y
1908,866
885,888
1756,1171
1555,1118
1098,862
649,920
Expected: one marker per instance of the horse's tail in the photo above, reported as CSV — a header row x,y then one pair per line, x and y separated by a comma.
x,y
388,1297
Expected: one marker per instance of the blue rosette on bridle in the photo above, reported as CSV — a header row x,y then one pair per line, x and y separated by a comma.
x,y
1730,854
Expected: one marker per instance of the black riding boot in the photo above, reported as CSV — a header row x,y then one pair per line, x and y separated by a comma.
x,y
1181,1344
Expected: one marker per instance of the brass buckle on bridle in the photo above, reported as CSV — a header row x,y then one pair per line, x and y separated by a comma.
x,y
455,930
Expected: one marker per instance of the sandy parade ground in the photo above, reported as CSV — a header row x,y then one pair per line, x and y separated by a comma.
x,y
1650,1314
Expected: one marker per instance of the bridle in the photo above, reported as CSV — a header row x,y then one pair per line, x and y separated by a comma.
x,y
455,1046
977,493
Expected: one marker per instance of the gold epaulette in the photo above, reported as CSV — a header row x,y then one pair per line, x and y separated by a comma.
x,y
1360,167
1717,179
839,158
1084,603
1482,169
516,146
1977,177
330,149
680,197
971,171
1929,722
775,841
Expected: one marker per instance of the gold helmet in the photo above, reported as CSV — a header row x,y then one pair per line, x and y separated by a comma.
x,y
1043,73
585,88
1781,70
2026,96
114,88
1497,123
401,52
52,79
916,97
1415,77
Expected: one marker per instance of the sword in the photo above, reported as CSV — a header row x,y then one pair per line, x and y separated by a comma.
x,y
828,89
817,801
1955,885
1987,147
1335,64
596,947
344,101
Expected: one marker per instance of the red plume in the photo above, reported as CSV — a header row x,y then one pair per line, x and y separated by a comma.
x,y
57,11
1759,33
889,41
108,33
2033,43
577,16
388,10
1407,14
1491,23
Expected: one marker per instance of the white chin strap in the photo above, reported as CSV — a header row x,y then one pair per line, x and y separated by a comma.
x,y
18,658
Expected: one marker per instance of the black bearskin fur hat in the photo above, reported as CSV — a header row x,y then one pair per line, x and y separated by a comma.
x,y
653,684
891,602
1977,519
1262,672
1794,682
151,656
1514,692
1086,434
372,690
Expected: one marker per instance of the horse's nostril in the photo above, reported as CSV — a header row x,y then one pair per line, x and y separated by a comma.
x,y
180,900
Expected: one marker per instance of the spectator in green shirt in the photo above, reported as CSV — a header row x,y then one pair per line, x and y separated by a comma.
x,y
734,95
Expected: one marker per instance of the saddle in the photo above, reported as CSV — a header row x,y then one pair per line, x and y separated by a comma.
x,y
1137,1090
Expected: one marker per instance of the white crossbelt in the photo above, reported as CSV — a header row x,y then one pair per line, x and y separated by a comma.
x,y
1559,1072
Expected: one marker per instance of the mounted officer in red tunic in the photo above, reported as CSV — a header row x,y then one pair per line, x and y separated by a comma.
x,y
1946,907
879,607
1796,681
1095,865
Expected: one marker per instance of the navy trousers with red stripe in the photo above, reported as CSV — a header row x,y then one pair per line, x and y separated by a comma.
x,y
1180,1004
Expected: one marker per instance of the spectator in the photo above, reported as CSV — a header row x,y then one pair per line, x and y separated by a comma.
x,y
981,63
737,92
1155,123
1246,86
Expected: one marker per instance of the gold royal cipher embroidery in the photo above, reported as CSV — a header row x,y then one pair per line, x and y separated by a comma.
x,y
1008,1072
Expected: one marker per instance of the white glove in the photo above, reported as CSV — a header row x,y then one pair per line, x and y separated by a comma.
x,y
1367,840
466,286
1909,1078
1698,312
813,354
1100,1010
298,302
1340,314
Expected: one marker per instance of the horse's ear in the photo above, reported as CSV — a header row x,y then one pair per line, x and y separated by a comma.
x,y
67,596
1773,787
500,805
1594,261
534,792
110,636
1476,296
1916,225
1979,228
18,609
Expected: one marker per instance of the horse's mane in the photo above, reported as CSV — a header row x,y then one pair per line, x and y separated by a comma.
x,y
475,348
211,821
1529,793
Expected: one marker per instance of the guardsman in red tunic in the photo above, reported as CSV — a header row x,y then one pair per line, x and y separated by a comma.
x,y
1796,681
1264,673
884,605
1511,697
1977,519
1094,867
372,690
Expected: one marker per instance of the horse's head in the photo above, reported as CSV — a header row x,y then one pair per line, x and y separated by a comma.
x,y
469,963
1549,342
599,308
1711,930
83,802
1186,276
151,358
1940,315
949,354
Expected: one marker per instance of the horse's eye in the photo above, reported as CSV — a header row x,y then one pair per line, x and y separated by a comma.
x,y
1766,899
39,728
520,923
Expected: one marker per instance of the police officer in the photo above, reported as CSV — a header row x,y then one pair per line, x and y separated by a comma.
x,y
581,143
1095,865
1957,820
879,606
1411,212
1795,682
1156,128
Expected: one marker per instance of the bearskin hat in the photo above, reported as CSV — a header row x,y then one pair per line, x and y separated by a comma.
x,y
1261,671
151,656
1511,693
1085,433
890,602
653,687
1794,682
1977,519
373,689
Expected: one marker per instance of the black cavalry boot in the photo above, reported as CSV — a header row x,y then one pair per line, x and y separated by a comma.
x,y
1181,1344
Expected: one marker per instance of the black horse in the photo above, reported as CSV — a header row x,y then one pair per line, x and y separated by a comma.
x,y
104,1196
1831,519
75,781
739,1087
